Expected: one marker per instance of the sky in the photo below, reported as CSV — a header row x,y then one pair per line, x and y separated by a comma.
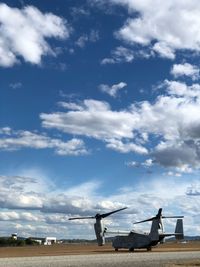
x,y
99,110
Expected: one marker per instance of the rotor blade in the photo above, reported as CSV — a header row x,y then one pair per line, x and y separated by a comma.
x,y
166,217
109,213
159,213
158,216
80,218
147,220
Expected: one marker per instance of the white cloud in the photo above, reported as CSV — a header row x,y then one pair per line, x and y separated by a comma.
x,y
134,164
93,37
15,193
178,89
156,196
163,50
62,203
84,190
165,27
93,119
55,207
79,11
15,140
35,194
127,147
21,216
177,133
82,41
193,190
112,90
71,105
5,130
147,163
119,55
23,33
16,85
185,69
170,173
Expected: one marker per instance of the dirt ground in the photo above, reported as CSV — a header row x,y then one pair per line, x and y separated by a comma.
x,y
78,249
194,263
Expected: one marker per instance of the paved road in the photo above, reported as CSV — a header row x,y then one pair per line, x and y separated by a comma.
x,y
142,259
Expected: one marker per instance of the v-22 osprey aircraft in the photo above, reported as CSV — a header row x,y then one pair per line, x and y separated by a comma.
x,y
135,239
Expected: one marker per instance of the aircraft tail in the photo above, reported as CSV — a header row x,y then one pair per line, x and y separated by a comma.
x,y
179,234
154,234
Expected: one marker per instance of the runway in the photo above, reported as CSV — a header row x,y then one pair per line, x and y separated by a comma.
x,y
142,259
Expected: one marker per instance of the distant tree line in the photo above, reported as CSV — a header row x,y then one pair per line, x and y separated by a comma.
x,y
5,242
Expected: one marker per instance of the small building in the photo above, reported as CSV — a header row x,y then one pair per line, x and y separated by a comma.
x,y
14,236
50,241
44,240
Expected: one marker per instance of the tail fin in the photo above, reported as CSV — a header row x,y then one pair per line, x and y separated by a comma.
x,y
154,234
179,234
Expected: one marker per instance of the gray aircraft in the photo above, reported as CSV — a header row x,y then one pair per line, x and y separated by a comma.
x,y
135,239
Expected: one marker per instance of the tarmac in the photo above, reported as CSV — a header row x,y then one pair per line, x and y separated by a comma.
x,y
142,259
86,254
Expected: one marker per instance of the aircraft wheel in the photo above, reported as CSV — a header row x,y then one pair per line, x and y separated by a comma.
x,y
131,249
149,249
116,249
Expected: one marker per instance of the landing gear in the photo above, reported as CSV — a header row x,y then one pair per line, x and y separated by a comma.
x,y
148,248
131,249
116,249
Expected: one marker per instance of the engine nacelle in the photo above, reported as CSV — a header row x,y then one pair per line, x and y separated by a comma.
x,y
100,232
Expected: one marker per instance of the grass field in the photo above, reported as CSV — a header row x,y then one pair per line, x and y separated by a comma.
x,y
78,249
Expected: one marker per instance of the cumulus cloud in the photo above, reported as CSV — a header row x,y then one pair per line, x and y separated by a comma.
x,y
55,207
185,69
93,119
193,190
16,193
119,55
15,140
24,33
177,133
182,156
35,193
148,163
164,27
70,105
127,147
19,216
133,163
112,90
96,119
164,50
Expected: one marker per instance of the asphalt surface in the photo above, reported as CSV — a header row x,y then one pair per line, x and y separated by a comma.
x,y
141,259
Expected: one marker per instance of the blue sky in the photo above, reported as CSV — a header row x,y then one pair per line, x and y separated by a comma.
x,y
99,108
